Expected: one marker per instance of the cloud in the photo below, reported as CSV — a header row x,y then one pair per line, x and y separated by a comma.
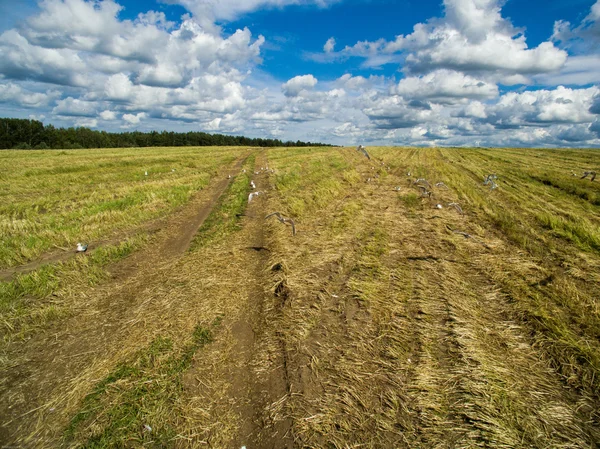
x,y
471,37
86,122
445,86
134,119
582,38
150,73
329,45
209,11
578,70
108,115
13,93
543,107
294,86
75,107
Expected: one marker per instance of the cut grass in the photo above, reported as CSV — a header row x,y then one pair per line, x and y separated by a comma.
x,y
374,326
132,405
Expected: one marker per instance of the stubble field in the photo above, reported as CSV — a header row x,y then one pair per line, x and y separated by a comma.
x,y
385,321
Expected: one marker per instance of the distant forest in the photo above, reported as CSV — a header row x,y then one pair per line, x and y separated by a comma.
x,y
24,134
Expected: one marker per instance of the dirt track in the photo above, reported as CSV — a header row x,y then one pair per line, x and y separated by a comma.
x,y
47,363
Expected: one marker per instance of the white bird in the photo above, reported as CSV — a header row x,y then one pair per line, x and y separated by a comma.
x,y
81,248
252,184
252,195
438,206
146,173
408,174
244,171
147,428
172,169
424,192
457,207
397,188
229,177
422,180
283,220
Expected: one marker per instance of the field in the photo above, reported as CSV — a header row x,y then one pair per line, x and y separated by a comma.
x,y
415,307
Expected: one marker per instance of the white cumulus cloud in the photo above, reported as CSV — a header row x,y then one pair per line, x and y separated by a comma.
x,y
294,86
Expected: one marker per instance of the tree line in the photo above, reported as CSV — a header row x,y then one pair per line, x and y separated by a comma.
x,y
32,134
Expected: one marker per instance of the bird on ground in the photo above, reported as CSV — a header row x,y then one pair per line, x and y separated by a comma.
x,y
252,184
146,173
252,195
81,248
439,206
283,220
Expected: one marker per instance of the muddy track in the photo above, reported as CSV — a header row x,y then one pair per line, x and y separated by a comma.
x,y
45,364
260,395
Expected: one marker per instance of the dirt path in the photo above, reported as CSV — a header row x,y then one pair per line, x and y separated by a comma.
x,y
248,357
46,363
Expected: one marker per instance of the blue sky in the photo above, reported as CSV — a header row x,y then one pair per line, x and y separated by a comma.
x,y
443,72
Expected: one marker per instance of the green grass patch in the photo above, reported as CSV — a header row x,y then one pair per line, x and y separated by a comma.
x,y
49,200
584,235
226,216
138,396
34,299
411,201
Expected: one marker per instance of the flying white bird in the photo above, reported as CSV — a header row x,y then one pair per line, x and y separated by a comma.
x,y
587,173
457,207
422,181
283,220
81,248
363,151
424,192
